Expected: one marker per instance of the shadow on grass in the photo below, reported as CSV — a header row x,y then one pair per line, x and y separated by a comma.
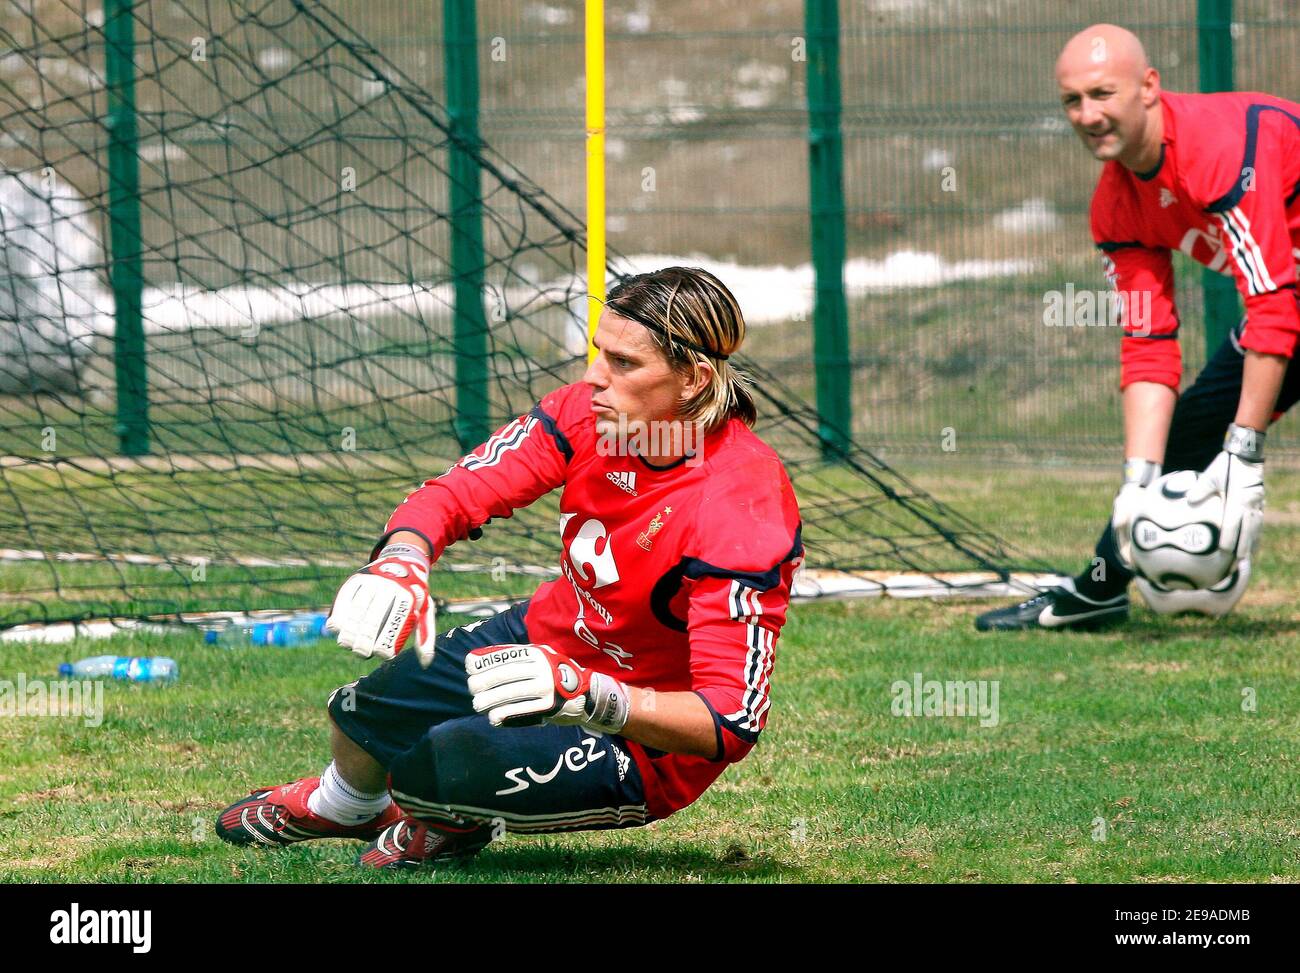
x,y
672,859
1147,627
522,860
1232,628
514,860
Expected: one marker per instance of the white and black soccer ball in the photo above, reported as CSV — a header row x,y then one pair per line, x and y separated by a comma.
x,y
1175,542
1215,602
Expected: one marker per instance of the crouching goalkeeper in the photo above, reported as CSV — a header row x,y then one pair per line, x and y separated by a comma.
x,y
620,690
1216,176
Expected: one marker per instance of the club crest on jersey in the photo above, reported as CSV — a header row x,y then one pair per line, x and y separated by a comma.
x,y
625,481
645,539
1205,247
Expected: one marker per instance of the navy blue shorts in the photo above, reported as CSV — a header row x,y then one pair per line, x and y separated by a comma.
x,y
450,767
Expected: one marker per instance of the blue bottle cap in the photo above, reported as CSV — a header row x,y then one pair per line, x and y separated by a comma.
x,y
65,669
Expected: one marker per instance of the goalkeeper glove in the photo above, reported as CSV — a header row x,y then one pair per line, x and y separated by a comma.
x,y
1138,475
524,685
379,606
1237,475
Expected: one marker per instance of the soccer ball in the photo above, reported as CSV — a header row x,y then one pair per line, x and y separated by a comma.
x,y
1176,543
1215,602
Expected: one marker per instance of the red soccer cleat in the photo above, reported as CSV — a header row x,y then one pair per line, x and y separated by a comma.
x,y
410,843
280,816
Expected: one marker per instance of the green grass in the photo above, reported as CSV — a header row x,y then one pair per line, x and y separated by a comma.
x,y
1055,514
1141,727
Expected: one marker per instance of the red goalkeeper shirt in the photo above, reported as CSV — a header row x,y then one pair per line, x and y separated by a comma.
x,y
1225,192
672,578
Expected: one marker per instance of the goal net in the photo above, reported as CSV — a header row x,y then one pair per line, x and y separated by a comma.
x,y
304,357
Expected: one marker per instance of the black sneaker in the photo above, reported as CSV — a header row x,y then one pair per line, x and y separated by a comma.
x,y
1056,608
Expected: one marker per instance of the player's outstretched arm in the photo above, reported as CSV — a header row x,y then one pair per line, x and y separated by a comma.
x,y
1253,214
381,605
1237,473
1151,363
524,460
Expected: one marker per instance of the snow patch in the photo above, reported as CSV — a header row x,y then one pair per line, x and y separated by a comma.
x,y
757,84
547,15
273,59
1031,216
936,159
767,294
162,151
772,294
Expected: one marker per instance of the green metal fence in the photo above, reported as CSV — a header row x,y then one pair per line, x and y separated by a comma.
x,y
299,225
964,192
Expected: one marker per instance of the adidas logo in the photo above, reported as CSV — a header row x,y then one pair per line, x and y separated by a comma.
x,y
1167,198
624,481
624,761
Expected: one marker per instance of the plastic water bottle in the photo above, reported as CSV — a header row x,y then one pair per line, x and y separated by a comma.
x,y
130,668
298,629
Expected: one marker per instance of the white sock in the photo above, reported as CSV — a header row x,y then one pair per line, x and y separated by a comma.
x,y
338,801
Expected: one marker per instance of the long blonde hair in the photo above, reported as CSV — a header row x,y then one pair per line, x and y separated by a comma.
x,y
692,318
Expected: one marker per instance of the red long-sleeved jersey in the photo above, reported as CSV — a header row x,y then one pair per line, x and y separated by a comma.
x,y
1225,192
673,578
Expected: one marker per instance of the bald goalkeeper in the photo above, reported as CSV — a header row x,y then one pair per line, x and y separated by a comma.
x,y
1216,176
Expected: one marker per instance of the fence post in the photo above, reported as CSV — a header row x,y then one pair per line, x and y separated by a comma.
x,y
1214,57
125,274
596,248
826,213
470,330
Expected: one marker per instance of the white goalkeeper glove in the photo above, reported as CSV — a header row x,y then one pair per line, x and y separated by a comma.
x,y
1237,475
1138,475
524,685
382,604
